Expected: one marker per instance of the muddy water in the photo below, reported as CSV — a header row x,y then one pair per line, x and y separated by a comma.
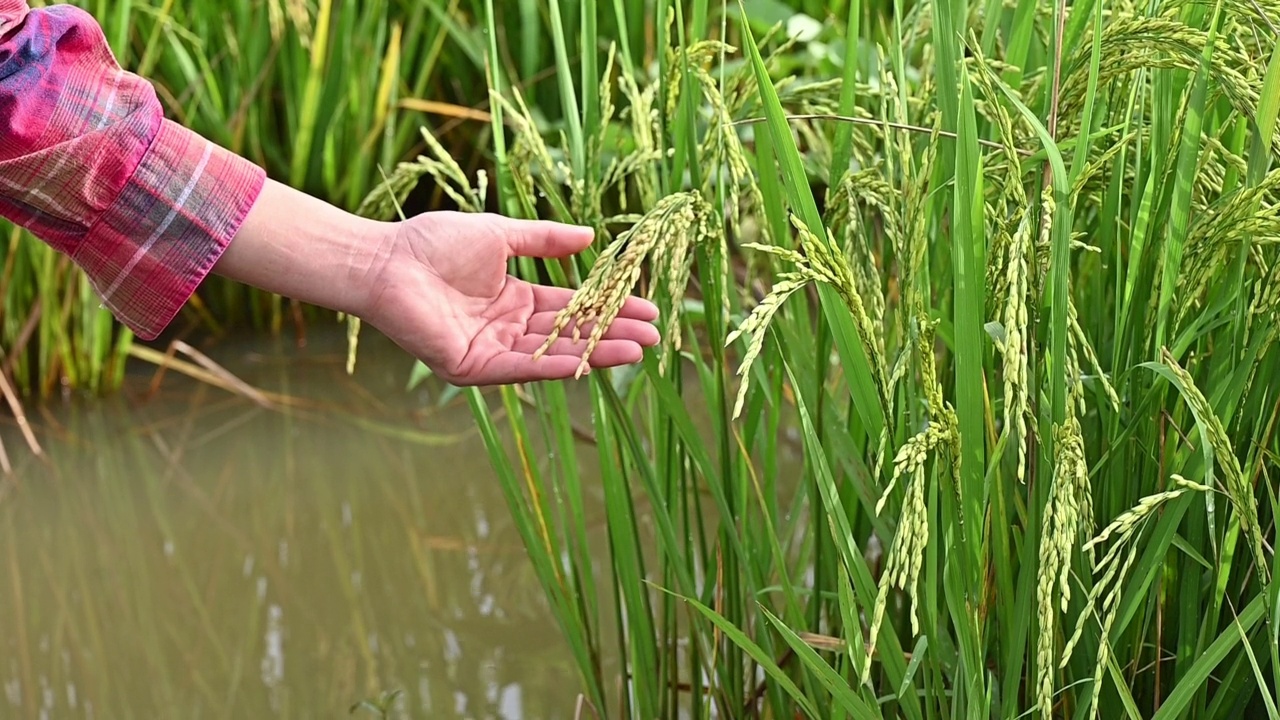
x,y
187,554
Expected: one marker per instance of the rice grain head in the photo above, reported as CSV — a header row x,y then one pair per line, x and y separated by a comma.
x,y
906,554
1062,527
829,263
665,236
1013,349
756,325
1239,490
1105,597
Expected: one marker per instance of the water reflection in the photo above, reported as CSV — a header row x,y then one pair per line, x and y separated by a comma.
x,y
193,555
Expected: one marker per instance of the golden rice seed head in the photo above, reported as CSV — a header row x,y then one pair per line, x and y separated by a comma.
x,y
877,618
1044,698
1128,520
755,326
608,284
1081,621
917,540
1091,355
1190,485
888,490
300,16
353,342
1049,206
1102,591
900,464
1046,620
561,321
783,253
894,566
275,19
1112,607
1013,349
1074,379
881,447
1000,278
900,554
1065,538
1238,488
1050,543
954,442
1083,485
448,167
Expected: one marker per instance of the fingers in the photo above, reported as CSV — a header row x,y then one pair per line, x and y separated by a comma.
x,y
607,353
561,361
637,331
554,299
543,238
512,368
520,367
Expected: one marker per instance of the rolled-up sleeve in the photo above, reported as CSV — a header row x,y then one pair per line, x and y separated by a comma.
x,y
89,164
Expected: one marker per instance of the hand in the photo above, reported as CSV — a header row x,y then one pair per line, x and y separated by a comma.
x,y
440,289
436,284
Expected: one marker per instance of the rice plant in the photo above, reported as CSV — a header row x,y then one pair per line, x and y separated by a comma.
x,y
1002,275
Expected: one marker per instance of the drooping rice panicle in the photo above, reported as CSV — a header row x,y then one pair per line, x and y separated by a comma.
x,y
1065,522
1238,488
939,438
665,236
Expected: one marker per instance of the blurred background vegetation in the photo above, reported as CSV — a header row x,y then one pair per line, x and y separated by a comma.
x,y
320,93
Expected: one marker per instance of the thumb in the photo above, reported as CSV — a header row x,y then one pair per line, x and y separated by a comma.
x,y
545,239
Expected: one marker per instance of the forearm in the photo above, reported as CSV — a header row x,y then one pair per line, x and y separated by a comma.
x,y
303,248
89,165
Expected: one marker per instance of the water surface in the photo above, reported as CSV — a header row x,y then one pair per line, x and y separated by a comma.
x,y
189,554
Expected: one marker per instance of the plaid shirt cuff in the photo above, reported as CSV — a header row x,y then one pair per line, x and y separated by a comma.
x,y
150,250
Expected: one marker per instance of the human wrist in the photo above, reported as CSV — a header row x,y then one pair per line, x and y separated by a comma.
x,y
303,248
368,256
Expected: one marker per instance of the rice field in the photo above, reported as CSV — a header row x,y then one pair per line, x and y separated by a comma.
x,y
1008,271
1003,273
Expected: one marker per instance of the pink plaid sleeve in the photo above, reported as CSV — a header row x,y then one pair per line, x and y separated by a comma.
x,y
90,165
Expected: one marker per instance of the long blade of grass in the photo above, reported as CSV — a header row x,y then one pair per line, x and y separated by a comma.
x,y
756,653
1184,181
839,688
853,355
843,151
303,151
1265,691
1198,674
627,559
1260,155
969,257
852,558
568,94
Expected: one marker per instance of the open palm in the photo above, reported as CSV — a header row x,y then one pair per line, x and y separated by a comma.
x,y
442,292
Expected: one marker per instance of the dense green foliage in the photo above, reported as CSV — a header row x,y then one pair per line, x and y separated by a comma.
x,y
1008,272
